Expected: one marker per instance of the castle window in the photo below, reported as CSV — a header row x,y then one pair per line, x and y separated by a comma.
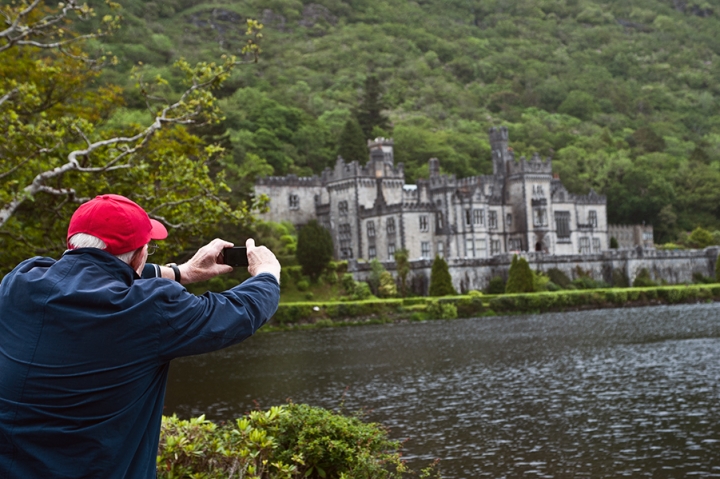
x,y
345,236
343,208
468,217
492,220
371,229
391,250
439,218
479,217
592,218
515,244
441,249
508,220
584,245
480,245
425,249
391,226
596,245
562,224
371,252
494,246
539,217
469,248
294,201
423,223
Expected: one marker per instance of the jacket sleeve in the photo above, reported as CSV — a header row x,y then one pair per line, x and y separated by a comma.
x,y
151,271
199,324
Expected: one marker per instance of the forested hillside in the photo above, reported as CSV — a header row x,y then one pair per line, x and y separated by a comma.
x,y
622,94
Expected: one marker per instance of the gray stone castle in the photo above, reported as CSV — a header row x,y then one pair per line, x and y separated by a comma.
x,y
371,211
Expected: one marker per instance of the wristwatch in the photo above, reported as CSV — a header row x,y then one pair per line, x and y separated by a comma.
x,y
175,268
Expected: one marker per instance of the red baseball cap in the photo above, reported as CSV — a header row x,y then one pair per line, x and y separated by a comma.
x,y
121,223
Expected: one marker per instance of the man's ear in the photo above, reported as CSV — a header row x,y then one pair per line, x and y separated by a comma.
x,y
138,262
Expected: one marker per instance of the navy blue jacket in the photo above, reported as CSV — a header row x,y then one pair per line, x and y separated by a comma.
x,y
85,347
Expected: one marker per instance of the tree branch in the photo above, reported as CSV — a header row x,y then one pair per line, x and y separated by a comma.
x,y
18,33
8,95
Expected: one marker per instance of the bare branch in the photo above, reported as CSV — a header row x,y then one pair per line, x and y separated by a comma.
x,y
8,95
15,168
164,220
33,43
80,132
18,33
169,204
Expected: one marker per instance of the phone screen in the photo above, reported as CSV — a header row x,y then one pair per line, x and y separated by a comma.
x,y
236,256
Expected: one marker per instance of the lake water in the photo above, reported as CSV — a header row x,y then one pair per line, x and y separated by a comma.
x,y
607,393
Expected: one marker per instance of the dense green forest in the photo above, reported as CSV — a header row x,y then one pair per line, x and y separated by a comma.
x,y
623,95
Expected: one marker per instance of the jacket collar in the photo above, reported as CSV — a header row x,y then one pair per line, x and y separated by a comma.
x,y
106,261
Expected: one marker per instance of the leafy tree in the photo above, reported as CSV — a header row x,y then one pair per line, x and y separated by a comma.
x,y
540,281
520,277
352,145
440,280
387,287
57,151
369,113
613,243
579,104
496,286
376,270
314,249
402,265
643,279
559,278
701,238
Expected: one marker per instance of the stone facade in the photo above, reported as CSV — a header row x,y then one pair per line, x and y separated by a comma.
x,y
631,236
673,266
371,212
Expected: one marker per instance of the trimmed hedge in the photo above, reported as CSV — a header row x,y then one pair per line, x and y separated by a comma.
x,y
295,313
599,298
475,304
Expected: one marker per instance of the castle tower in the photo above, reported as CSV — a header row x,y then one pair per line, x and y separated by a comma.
x,y
434,166
501,153
381,156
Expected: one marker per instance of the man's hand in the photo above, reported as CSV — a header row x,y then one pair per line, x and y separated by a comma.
x,y
261,260
206,263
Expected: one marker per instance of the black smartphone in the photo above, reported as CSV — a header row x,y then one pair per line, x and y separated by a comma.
x,y
236,256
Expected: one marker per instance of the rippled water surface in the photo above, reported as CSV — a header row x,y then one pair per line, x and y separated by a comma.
x,y
608,393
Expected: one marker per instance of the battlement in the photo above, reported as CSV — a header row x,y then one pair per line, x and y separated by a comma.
x,y
344,171
470,182
380,142
591,198
498,135
410,194
290,180
535,165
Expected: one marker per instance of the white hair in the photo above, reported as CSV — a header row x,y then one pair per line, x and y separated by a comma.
x,y
84,240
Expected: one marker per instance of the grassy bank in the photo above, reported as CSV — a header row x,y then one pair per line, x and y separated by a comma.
x,y
311,314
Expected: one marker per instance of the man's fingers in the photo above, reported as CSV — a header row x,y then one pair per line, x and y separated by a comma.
x,y
250,243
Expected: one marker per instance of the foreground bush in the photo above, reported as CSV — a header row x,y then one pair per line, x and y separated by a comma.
x,y
286,442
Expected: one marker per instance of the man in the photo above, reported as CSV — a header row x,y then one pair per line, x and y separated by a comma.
x,y
85,343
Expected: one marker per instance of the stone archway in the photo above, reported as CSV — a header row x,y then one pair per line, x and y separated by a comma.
x,y
541,245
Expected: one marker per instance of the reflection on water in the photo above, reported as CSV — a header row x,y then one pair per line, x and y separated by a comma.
x,y
608,393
